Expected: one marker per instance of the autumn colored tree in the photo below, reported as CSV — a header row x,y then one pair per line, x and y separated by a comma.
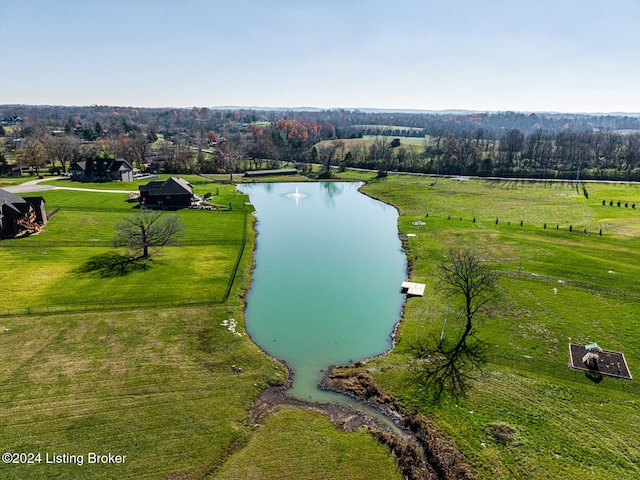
x,y
293,131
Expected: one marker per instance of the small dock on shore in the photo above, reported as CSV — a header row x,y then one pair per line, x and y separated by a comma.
x,y
413,289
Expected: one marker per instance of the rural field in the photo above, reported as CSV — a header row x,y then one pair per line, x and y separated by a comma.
x,y
557,286
144,363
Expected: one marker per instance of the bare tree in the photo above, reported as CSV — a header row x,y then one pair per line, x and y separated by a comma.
x,y
33,154
148,230
65,149
449,365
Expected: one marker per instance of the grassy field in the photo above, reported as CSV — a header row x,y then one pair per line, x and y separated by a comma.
x,y
170,387
558,286
298,444
351,144
157,385
53,266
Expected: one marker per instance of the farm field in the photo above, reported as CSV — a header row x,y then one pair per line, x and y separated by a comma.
x,y
558,286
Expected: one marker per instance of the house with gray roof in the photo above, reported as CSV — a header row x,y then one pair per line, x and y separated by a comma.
x,y
20,215
174,192
102,170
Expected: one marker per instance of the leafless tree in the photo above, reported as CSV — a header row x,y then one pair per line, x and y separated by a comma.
x,y
148,230
64,149
33,154
450,364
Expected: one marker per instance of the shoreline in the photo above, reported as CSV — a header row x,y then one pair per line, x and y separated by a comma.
x,y
422,453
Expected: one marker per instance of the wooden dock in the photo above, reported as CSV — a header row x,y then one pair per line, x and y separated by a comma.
x,y
414,289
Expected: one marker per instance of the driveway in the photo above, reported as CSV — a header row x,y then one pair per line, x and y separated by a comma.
x,y
34,186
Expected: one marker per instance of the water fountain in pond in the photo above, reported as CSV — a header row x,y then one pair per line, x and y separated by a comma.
x,y
296,195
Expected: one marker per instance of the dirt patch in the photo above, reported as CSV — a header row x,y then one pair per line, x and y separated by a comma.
x,y
503,433
345,417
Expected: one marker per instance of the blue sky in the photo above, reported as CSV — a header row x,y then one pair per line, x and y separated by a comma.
x,y
543,55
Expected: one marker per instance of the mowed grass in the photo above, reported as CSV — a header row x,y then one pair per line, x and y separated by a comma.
x,y
157,385
557,287
52,266
54,276
303,444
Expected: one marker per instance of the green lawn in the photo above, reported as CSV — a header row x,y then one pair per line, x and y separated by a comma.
x,y
302,444
557,287
52,266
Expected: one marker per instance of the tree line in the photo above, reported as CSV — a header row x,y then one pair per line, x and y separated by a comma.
x,y
202,140
571,155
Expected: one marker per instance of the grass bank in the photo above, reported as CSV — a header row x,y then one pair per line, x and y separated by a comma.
x,y
558,285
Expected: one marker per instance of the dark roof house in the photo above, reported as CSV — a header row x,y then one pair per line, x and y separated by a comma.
x,y
20,215
174,192
102,170
11,120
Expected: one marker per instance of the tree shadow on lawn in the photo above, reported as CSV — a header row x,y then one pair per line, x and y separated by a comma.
x,y
111,265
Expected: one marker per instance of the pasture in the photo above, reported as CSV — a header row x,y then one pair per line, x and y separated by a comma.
x,y
558,285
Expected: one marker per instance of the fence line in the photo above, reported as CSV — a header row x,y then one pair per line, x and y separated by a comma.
x,y
238,260
120,305
104,306
107,243
570,283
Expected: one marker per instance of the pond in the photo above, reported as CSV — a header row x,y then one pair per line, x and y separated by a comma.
x,y
326,283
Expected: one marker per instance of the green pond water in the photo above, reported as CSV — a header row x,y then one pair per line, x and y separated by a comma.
x,y
326,283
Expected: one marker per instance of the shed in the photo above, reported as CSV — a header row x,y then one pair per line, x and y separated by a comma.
x,y
278,171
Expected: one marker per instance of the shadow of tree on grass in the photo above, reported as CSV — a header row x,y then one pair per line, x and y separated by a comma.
x,y
110,265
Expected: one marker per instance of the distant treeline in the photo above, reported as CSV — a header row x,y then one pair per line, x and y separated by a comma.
x,y
203,140
566,154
